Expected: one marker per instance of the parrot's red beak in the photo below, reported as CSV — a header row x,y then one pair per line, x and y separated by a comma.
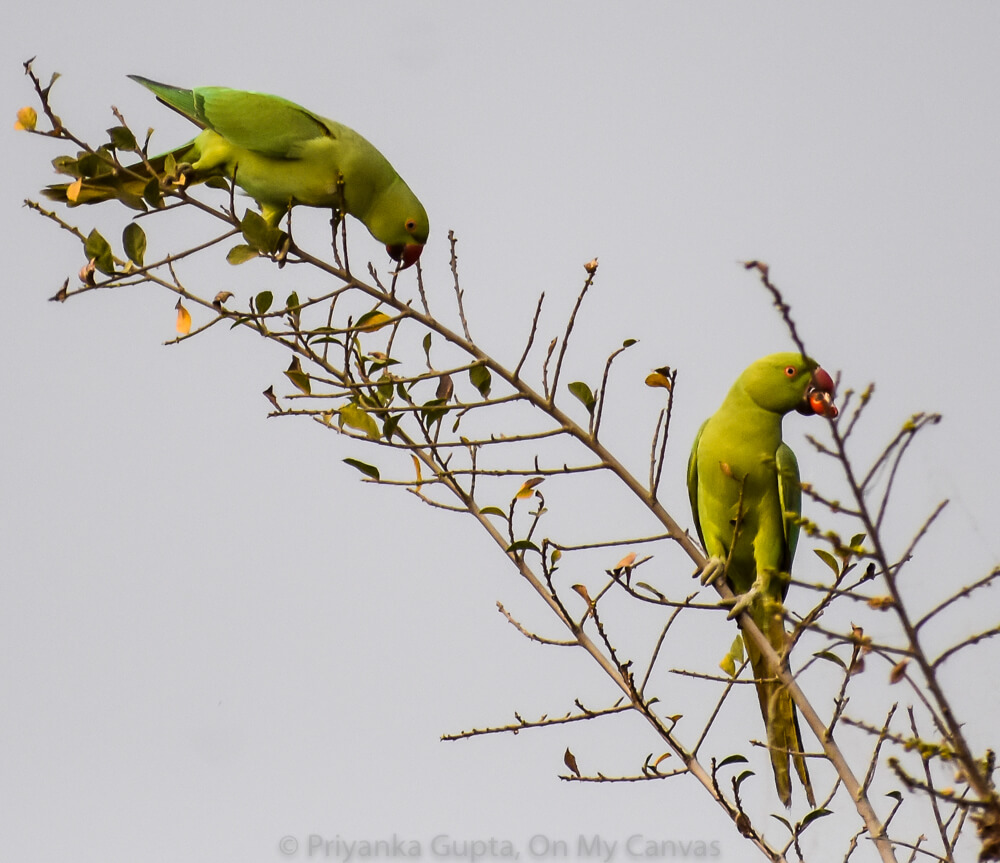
x,y
406,254
819,397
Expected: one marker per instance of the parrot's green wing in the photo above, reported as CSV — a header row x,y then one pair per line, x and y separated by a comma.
x,y
265,124
790,494
258,122
692,478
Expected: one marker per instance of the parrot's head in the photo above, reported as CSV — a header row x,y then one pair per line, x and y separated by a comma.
x,y
401,223
788,381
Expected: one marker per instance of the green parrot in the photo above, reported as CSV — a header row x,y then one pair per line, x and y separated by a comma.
x,y
280,154
742,476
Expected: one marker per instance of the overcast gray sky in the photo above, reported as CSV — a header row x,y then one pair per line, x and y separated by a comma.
x,y
208,643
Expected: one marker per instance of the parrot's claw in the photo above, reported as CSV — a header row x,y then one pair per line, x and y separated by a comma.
x,y
712,571
743,600
182,174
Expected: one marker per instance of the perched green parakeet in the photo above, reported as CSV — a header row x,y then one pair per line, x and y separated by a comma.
x,y
281,155
742,478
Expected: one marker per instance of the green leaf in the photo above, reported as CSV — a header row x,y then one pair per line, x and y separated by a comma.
x,y
300,379
254,228
259,233
241,254
381,362
384,390
584,394
360,420
427,347
736,649
366,469
628,343
292,303
522,545
152,194
217,183
99,249
812,816
734,657
131,200
831,657
263,302
481,380
434,410
92,165
895,795
857,539
493,510
828,559
134,241
732,759
783,821
652,591
122,138
389,426
739,780
66,165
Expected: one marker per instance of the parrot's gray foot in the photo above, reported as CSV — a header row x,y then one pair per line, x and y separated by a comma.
x,y
712,571
744,599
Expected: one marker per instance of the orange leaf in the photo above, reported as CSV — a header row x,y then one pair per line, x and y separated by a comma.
x,y
87,272
626,561
183,319
527,488
881,603
655,379
570,761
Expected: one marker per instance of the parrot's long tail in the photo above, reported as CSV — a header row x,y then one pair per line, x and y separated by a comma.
x,y
780,718
99,180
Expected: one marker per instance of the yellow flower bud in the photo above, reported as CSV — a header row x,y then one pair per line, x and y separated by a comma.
x,y
27,117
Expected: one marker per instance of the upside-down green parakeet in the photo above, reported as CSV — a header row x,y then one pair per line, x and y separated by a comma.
x,y
281,155
743,479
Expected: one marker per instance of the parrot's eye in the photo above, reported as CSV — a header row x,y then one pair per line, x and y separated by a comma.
x,y
411,225
791,371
